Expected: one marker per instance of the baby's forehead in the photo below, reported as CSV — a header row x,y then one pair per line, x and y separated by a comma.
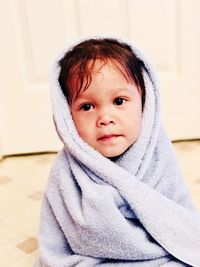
x,y
82,76
93,67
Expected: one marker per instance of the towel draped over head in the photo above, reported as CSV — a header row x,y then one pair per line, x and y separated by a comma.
x,y
135,211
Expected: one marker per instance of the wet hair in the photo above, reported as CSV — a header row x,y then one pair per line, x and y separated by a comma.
x,y
80,60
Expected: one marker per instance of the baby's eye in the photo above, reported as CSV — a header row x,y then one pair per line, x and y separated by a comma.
x,y
86,107
119,101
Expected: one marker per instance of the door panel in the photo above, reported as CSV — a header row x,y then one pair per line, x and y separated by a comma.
x,y
34,31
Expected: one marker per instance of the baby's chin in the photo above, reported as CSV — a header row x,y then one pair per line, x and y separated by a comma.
x,y
115,156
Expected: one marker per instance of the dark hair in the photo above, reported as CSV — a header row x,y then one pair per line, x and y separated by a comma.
x,y
75,62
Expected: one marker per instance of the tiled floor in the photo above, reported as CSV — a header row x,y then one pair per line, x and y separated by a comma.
x,y
22,180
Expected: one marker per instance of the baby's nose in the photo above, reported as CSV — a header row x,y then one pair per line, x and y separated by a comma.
x,y
104,120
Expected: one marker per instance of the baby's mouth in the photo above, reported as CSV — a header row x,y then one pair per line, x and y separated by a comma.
x,y
108,137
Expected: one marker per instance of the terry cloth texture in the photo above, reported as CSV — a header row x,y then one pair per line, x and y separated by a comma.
x,y
135,211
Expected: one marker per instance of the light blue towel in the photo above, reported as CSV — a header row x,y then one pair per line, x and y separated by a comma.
x,y
133,212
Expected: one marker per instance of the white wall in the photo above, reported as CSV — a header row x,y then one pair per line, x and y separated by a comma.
x,y
33,32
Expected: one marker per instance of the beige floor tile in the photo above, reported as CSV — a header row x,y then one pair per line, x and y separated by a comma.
x,y
188,155
29,171
10,254
12,198
13,257
25,219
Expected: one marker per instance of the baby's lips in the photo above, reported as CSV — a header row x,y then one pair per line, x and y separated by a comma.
x,y
108,136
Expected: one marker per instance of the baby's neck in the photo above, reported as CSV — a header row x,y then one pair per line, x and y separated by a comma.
x,y
113,159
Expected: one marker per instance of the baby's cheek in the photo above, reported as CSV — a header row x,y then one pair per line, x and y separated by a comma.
x,y
78,122
84,129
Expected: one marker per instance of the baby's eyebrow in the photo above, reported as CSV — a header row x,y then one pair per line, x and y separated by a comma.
x,y
119,89
129,89
122,89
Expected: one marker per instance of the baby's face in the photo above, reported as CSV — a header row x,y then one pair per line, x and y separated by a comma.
x,y
108,114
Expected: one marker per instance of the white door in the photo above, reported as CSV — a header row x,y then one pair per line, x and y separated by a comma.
x,y
34,31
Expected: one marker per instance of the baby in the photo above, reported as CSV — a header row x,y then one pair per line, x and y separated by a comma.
x,y
115,195
103,82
